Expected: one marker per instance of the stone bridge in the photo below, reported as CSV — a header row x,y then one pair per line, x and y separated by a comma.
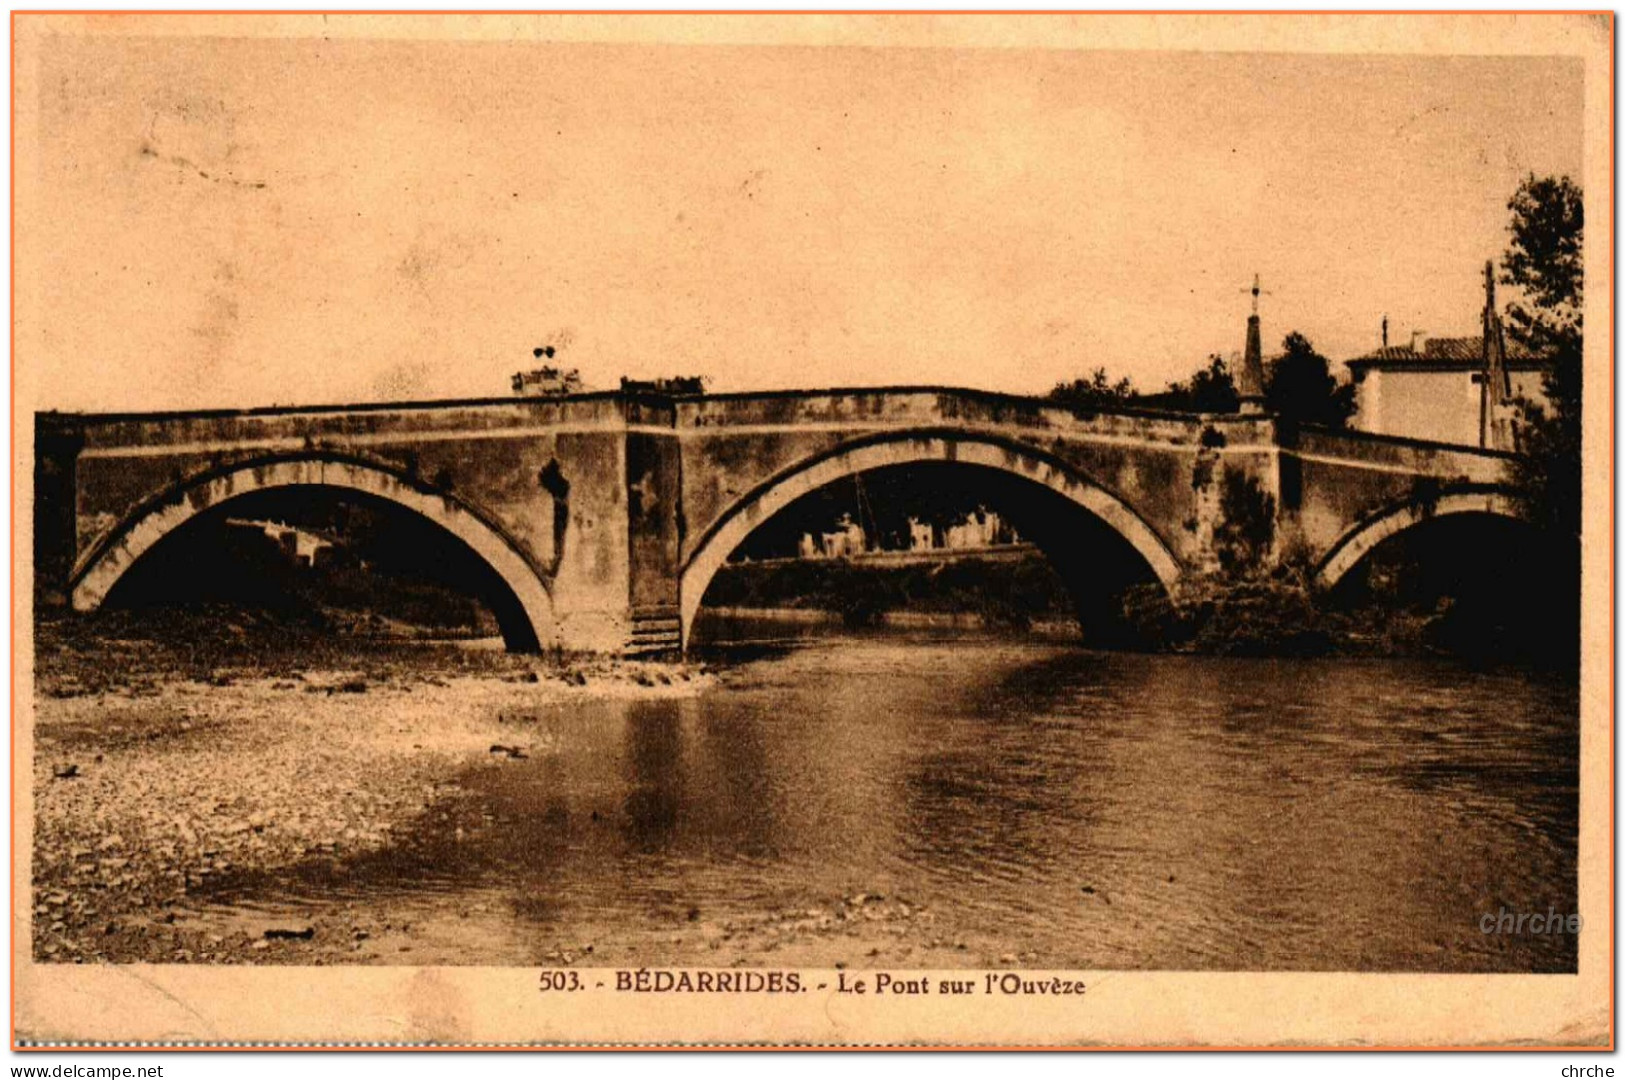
x,y
605,516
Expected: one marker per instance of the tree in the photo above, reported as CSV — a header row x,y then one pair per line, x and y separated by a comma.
x,y
1097,391
1210,389
1299,386
1544,263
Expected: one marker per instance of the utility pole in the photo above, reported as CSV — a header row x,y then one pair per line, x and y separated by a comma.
x,y
1495,385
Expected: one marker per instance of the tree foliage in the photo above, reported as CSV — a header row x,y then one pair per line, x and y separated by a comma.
x,y
1097,391
1544,262
1211,389
1299,386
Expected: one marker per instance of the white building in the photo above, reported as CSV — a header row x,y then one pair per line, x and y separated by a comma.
x,y
847,540
1433,388
981,529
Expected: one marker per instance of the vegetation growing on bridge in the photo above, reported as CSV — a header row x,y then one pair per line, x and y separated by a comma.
x,y
1248,607
1441,587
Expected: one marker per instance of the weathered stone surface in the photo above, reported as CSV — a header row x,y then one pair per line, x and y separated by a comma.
x,y
606,515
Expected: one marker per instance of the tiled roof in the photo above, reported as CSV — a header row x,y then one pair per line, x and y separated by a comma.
x,y
1453,350
1391,352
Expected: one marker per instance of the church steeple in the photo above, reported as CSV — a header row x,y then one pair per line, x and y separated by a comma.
x,y
1250,379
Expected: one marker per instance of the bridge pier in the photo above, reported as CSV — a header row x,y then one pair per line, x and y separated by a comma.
x,y
654,466
55,521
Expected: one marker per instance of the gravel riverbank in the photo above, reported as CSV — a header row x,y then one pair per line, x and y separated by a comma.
x,y
197,777
172,757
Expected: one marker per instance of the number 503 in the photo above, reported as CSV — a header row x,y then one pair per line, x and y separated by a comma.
x,y
560,980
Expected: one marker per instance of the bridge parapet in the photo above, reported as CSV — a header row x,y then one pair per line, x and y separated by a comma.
x,y
251,430
933,407
1417,456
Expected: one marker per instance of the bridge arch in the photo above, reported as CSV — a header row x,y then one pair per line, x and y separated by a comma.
x,y
910,448
105,563
1372,530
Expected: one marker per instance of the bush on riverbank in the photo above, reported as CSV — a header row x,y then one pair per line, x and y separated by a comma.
x,y
243,569
1281,614
1256,616
1003,593
1276,613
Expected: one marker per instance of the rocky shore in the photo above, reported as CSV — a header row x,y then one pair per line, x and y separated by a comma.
x,y
172,756
184,762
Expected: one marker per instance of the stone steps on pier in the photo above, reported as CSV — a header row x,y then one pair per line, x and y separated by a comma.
x,y
655,633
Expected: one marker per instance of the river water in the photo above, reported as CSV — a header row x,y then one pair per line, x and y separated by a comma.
x,y
953,800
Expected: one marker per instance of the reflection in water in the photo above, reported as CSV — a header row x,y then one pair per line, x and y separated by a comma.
x,y
654,774
1074,808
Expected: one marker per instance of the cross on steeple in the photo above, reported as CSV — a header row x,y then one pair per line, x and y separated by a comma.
x,y
1257,292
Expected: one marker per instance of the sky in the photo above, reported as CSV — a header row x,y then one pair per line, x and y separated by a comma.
x,y
235,222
